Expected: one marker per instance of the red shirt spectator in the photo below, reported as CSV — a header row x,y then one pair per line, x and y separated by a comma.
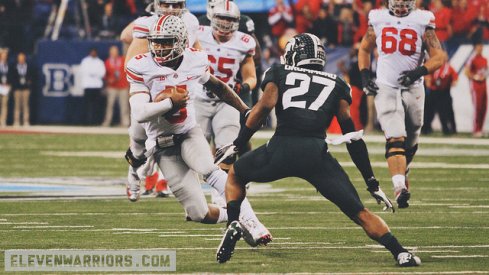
x,y
463,14
279,18
115,74
442,78
306,12
443,17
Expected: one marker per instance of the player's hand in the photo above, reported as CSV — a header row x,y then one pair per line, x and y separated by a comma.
x,y
379,195
368,84
179,100
407,78
241,88
225,152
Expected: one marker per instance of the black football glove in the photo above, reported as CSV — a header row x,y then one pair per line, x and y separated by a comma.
x,y
241,88
378,194
368,84
409,77
243,117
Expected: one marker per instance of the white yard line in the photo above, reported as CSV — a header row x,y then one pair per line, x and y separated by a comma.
x,y
55,226
460,256
18,223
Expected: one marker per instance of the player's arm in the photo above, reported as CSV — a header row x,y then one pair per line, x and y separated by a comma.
x,y
253,119
225,93
126,34
437,55
367,45
437,58
138,46
257,56
359,155
248,74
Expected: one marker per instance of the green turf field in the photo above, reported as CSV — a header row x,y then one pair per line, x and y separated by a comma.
x,y
447,224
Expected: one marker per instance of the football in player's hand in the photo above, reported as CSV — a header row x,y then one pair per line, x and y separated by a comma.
x,y
167,93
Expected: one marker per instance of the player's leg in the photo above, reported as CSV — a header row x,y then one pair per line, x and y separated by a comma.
x,y
391,115
185,186
333,183
197,155
136,158
226,128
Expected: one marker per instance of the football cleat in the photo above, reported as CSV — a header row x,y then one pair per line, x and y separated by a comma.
x,y
255,233
402,198
231,237
407,259
133,185
161,189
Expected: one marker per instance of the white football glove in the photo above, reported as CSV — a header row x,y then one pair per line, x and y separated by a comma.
x,y
225,152
379,195
346,138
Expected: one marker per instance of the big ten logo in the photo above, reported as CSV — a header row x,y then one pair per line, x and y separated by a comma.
x,y
61,80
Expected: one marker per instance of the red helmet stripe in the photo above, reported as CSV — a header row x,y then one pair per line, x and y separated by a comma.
x,y
227,5
160,22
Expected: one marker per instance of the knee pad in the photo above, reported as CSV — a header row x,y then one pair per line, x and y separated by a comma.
x,y
410,152
196,214
132,160
399,145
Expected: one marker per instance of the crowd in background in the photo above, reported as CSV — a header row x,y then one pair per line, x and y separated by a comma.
x,y
339,23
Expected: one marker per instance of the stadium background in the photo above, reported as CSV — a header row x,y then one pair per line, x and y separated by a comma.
x,y
56,97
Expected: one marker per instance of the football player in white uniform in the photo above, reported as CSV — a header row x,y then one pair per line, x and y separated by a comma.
x,y
401,34
135,35
175,141
229,50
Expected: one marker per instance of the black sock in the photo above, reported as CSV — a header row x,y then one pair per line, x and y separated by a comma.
x,y
390,242
233,209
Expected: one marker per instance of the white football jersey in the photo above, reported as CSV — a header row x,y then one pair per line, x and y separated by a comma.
x,y
145,75
399,42
143,25
225,58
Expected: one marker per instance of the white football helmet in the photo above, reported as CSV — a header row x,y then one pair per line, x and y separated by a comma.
x,y
169,7
211,4
305,49
167,39
401,8
225,18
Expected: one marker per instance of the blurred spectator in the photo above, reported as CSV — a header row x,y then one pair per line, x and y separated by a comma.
x,y
463,15
5,85
109,26
346,28
442,21
117,88
306,12
439,100
361,19
96,10
268,59
476,71
21,84
325,27
280,18
92,69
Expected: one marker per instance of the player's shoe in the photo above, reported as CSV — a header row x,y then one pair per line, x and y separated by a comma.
x,y
231,237
255,233
161,189
147,192
402,198
406,259
133,188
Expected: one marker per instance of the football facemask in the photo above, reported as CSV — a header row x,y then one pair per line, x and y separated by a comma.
x,y
169,7
401,8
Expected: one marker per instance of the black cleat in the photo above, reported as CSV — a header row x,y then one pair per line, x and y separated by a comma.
x,y
231,237
407,259
402,198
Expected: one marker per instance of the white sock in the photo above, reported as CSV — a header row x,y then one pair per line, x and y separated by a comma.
x,y
223,215
217,180
399,182
247,212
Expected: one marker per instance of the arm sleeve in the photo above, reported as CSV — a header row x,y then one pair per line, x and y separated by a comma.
x,y
143,110
357,150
